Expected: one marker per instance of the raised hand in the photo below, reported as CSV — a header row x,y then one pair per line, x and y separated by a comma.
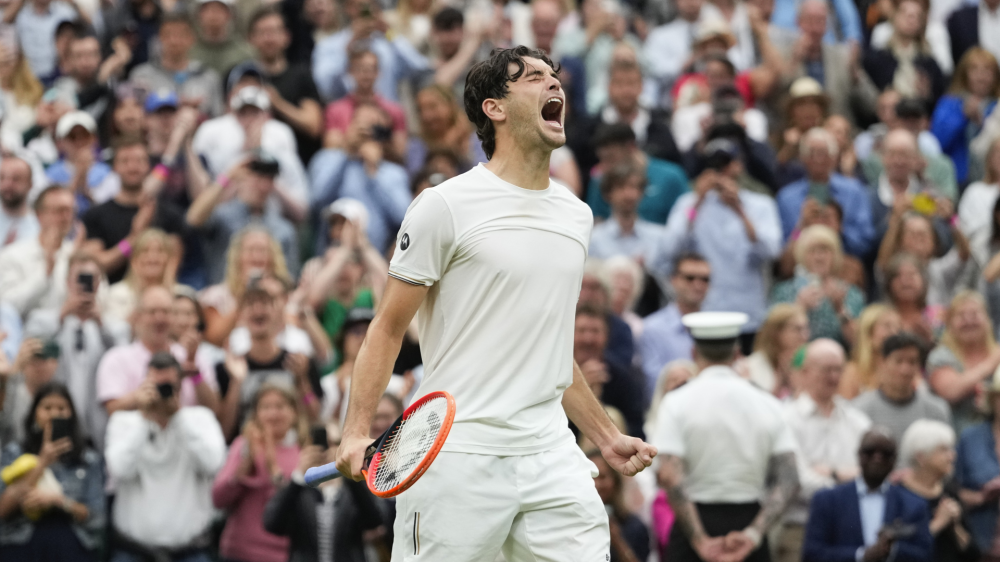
x,y
628,455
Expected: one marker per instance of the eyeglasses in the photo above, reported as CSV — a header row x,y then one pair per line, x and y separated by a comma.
x,y
692,278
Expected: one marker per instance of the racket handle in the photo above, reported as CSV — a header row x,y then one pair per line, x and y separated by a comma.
x,y
319,474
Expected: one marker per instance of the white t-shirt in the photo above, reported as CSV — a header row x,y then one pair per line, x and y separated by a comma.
x,y
727,430
496,329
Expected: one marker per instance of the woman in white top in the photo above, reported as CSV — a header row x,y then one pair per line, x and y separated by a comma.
x,y
785,330
20,90
935,33
976,207
154,261
412,19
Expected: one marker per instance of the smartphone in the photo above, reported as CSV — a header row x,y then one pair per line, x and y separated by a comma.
x,y
60,428
318,437
86,282
254,279
165,389
49,350
819,192
899,531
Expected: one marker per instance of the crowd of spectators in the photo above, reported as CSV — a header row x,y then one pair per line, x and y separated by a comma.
x,y
199,200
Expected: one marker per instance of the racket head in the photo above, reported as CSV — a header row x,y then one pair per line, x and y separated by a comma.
x,y
409,447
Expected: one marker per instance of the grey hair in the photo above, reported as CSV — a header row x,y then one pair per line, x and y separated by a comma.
x,y
923,436
818,134
660,391
624,264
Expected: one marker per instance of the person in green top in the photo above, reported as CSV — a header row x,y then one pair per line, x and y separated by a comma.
x,y
218,46
351,274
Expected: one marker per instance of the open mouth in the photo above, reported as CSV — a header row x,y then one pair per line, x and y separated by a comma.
x,y
552,112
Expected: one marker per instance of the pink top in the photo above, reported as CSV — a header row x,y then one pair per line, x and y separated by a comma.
x,y
340,112
123,368
244,537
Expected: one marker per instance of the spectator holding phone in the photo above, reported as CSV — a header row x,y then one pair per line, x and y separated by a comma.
x,y
260,461
163,459
34,367
52,492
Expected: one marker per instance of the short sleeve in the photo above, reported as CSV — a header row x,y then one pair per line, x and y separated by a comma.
x,y
668,438
784,438
425,242
940,357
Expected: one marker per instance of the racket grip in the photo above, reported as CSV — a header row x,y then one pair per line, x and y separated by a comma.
x,y
319,474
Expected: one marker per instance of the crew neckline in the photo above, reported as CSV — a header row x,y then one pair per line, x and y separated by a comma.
x,y
507,185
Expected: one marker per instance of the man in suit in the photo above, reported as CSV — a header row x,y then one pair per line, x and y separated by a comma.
x,y
965,24
869,519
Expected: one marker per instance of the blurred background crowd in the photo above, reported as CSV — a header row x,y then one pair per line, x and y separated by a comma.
x,y
198,199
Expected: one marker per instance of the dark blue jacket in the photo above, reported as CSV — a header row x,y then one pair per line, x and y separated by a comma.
x,y
833,533
976,464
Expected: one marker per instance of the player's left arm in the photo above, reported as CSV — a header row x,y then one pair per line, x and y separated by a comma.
x,y
628,455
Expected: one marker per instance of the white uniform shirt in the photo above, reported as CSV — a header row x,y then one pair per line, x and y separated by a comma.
x,y
496,329
726,429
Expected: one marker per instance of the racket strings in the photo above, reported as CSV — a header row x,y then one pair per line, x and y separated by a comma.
x,y
409,444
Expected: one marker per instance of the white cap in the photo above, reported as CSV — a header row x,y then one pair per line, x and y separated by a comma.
x,y
714,325
226,2
351,209
250,95
75,119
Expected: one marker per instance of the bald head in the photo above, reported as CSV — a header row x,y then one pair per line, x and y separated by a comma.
x,y
153,321
822,368
900,139
813,15
900,155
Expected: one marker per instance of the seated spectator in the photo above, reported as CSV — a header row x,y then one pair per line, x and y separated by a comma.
x,y
352,274
912,116
398,60
294,97
829,215
260,461
336,387
363,68
968,24
614,383
77,167
664,339
219,47
977,473
625,233
17,220
113,227
828,432
20,89
665,181
965,359
877,322
37,28
928,449
976,206
252,252
831,63
780,338
346,513
935,34
166,456
265,361
808,107
52,495
897,402
153,261
907,61
248,127
361,171
819,156
627,280
960,114
738,232
832,304
906,286
443,126
34,269
870,504
177,70
237,201
82,335
869,141
668,47
122,370
32,368
89,79
629,536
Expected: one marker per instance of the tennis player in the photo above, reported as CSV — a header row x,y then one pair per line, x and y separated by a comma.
x,y
493,260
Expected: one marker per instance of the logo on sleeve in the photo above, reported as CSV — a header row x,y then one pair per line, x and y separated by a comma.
x,y
404,242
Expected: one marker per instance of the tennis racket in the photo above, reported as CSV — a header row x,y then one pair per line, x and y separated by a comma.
x,y
401,455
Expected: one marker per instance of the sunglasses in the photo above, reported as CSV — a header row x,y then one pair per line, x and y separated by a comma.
x,y
872,451
692,278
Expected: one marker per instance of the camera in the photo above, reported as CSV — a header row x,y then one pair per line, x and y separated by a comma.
x,y
49,350
165,389
381,133
86,282
264,164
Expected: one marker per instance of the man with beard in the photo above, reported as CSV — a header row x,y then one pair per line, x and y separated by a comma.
x,y
17,221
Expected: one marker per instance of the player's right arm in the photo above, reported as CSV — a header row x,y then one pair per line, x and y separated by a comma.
x,y
373,368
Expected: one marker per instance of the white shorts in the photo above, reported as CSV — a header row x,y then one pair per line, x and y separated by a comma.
x,y
468,508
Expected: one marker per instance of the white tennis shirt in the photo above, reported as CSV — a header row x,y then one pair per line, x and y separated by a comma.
x,y
504,265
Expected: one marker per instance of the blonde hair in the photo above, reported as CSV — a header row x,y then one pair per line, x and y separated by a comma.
x,y
948,338
660,391
864,353
819,234
25,86
234,277
299,424
960,79
148,237
624,264
767,340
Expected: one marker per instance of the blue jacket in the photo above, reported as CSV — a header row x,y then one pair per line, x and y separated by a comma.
x,y
952,128
976,464
857,230
833,533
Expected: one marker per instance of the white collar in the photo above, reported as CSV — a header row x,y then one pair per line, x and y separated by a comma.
x,y
886,193
864,490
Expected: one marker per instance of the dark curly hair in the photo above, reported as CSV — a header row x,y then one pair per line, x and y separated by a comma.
x,y
488,80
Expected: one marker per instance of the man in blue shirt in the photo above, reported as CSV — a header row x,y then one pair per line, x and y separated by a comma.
x,y
819,153
78,167
624,233
665,181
